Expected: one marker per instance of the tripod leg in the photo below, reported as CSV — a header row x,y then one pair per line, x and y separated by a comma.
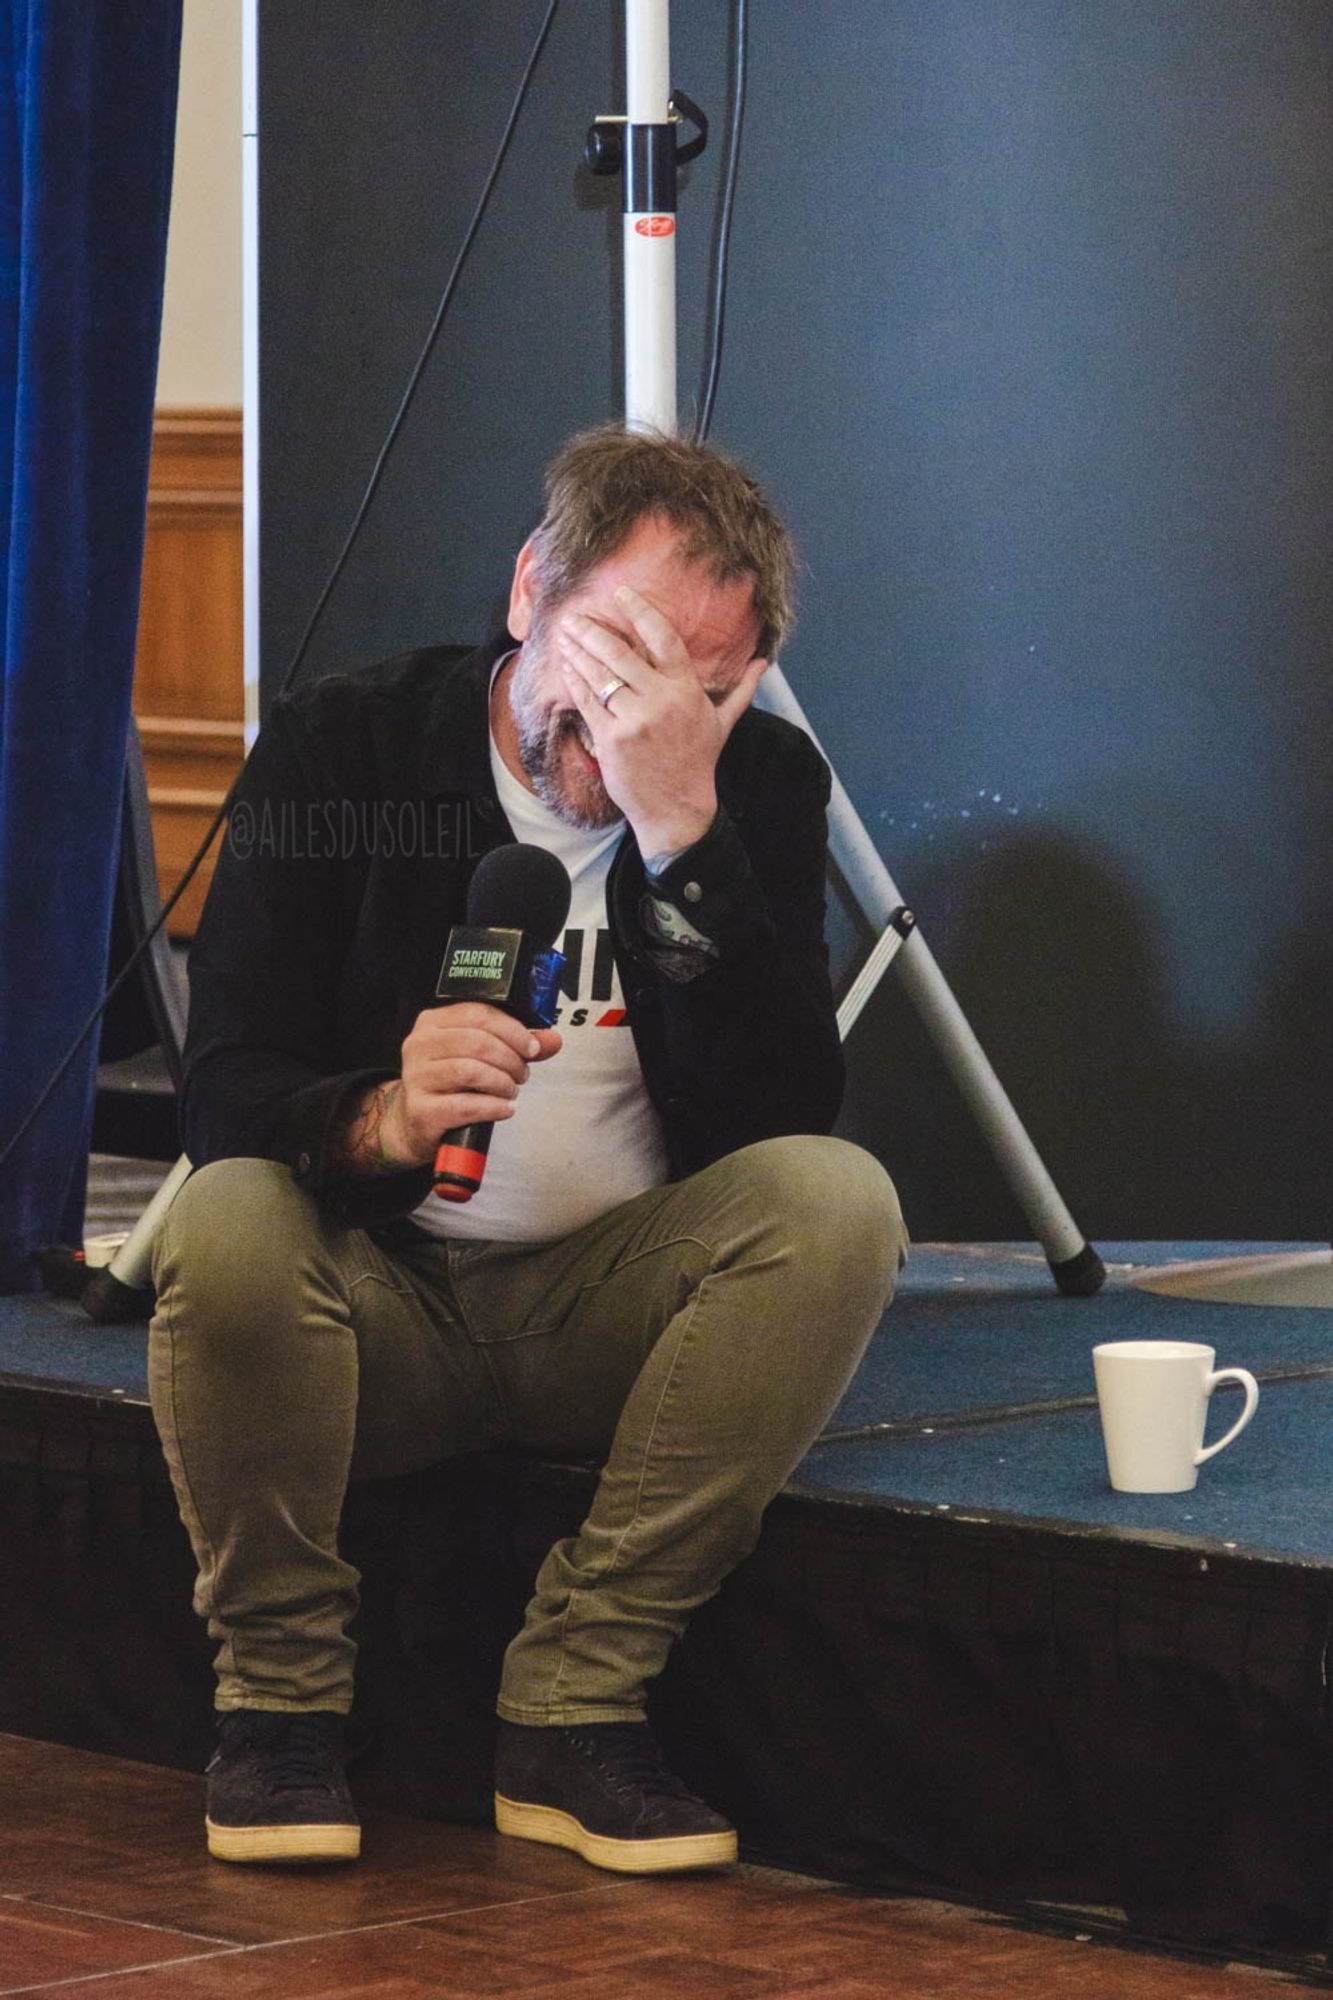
x,y
1075,1265
123,1291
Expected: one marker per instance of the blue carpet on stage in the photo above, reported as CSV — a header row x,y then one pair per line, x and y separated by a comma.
x,y
981,1327
976,1393
1269,1495
52,1344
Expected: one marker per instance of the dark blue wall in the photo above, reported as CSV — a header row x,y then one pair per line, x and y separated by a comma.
x,y
1029,332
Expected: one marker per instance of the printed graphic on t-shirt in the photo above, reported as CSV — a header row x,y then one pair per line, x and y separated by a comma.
x,y
588,983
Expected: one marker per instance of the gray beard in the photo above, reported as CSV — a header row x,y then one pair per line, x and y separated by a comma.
x,y
540,741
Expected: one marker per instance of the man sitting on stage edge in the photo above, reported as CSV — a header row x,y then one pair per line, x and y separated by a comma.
x,y
662,1264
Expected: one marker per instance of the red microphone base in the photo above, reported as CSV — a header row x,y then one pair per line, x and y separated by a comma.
x,y
458,1172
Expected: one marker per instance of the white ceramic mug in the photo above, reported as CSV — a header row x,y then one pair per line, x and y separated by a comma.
x,y
1154,1402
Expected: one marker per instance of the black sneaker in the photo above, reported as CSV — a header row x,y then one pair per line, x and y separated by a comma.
x,y
277,1790
602,1789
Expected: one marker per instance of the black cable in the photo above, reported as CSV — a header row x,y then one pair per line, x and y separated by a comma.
x,y
391,436
321,603
736,121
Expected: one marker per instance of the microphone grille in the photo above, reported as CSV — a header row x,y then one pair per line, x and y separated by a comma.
x,y
520,887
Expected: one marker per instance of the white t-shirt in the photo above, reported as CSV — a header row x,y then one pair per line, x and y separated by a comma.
x,y
584,1135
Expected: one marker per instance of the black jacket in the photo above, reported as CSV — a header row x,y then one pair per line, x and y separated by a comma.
x,y
365,806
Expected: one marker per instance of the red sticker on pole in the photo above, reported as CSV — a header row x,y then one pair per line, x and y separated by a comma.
x,y
656,225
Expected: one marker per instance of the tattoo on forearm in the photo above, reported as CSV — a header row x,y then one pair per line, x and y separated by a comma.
x,y
356,1142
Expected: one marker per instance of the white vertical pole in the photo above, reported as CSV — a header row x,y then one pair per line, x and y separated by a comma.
x,y
250,357
650,220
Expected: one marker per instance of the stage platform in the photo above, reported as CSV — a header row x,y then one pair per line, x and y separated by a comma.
x,y
957,1662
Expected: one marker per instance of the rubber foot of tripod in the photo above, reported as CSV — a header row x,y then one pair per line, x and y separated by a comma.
x,y
112,1303
64,1271
1079,1277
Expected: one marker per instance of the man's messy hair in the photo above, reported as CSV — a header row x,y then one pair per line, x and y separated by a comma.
x,y
604,481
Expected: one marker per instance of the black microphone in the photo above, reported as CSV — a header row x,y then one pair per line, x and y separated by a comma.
x,y
516,903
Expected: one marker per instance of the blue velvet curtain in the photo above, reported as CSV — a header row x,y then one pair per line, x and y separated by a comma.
x,y
87,127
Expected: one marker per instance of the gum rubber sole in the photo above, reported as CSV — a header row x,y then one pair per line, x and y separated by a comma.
x,y
318,1842
626,1857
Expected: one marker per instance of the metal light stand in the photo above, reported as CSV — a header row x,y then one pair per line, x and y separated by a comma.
x,y
643,147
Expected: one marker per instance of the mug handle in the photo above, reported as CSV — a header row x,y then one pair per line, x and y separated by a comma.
x,y
1251,1388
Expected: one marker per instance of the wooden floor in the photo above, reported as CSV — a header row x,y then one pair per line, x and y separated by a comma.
x,y
105,1890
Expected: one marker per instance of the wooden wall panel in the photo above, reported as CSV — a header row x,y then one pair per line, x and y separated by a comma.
x,y
188,683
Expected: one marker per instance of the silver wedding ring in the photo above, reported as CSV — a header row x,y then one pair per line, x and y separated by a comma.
x,y
604,694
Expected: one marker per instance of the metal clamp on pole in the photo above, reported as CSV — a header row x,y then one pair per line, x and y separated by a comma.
x,y
643,146
604,147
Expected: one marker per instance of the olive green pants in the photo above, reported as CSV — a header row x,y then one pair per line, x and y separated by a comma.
x,y
698,1335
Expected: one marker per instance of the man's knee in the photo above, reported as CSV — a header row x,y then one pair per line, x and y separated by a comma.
x,y
833,1201
235,1225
